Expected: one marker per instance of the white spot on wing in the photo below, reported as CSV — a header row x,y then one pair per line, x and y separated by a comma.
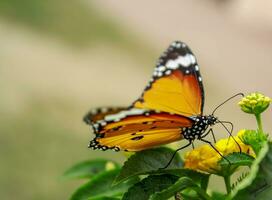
x,y
184,61
161,68
172,64
159,74
178,45
168,72
193,59
196,68
124,113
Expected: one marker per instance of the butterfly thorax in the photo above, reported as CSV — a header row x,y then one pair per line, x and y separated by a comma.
x,y
201,124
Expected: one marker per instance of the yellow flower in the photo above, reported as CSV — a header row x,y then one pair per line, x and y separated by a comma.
x,y
205,158
202,159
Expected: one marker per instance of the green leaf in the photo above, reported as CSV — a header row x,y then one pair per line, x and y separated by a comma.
x,y
104,198
239,179
219,196
198,177
148,162
101,186
256,139
90,168
190,196
236,159
144,189
257,185
179,185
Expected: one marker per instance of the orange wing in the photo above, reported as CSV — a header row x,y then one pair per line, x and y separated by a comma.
x,y
138,129
176,85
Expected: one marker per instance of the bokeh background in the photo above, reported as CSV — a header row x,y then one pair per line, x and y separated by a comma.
x,y
60,58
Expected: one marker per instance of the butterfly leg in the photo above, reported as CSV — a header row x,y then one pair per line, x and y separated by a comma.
x,y
208,132
226,122
230,123
230,132
206,141
213,135
174,154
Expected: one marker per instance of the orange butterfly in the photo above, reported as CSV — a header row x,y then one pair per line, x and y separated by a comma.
x,y
170,108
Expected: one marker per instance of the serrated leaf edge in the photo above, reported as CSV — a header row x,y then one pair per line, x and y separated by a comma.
x,y
254,170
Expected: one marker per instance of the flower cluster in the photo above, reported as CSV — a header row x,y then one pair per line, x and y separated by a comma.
x,y
255,103
205,158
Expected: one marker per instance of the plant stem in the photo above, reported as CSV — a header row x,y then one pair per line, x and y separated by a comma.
x,y
202,194
227,183
259,122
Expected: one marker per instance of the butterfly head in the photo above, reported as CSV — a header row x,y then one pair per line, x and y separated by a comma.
x,y
211,119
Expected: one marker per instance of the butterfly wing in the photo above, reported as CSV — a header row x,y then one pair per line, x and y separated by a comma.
x,y
97,114
137,129
176,87
176,84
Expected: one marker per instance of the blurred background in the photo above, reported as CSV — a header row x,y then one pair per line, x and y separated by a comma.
x,y
60,58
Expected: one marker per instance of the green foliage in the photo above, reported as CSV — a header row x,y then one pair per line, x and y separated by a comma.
x,y
148,162
100,186
108,181
103,198
145,188
255,139
144,176
178,186
199,178
88,169
239,180
219,196
113,183
257,185
232,161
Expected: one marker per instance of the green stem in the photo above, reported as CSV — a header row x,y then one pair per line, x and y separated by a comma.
x,y
259,122
227,183
202,193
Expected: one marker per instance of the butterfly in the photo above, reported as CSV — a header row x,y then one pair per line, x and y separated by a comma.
x,y
169,109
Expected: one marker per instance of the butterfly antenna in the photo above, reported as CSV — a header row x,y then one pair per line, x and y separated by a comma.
x,y
239,94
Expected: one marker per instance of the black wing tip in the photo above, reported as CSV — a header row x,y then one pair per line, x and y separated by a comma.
x,y
175,48
86,118
179,43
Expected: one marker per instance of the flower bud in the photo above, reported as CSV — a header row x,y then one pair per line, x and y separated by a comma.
x,y
254,103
